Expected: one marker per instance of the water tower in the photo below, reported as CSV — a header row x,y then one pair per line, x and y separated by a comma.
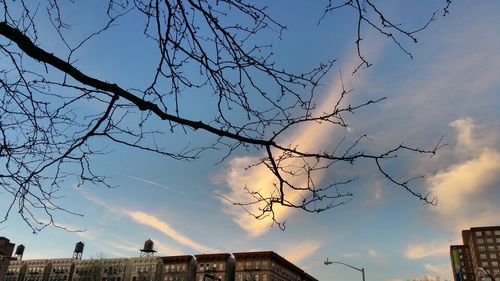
x,y
148,250
77,254
19,252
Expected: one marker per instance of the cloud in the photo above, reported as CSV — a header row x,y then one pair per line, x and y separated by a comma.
x,y
377,190
362,253
301,251
424,250
154,222
372,253
467,189
150,182
237,175
441,270
165,228
350,254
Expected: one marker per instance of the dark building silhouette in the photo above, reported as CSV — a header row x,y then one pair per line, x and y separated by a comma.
x,y
6,249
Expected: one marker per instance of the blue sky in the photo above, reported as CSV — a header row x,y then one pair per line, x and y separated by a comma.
x,y
451,88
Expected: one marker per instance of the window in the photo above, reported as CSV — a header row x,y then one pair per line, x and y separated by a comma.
x,y
479,233
494,263
487,233
484,263
489,240
482,256
479,241
481,248
497,239
497,232
493,256
491,248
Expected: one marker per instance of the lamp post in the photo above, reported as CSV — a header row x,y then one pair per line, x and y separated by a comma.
x,y
362,270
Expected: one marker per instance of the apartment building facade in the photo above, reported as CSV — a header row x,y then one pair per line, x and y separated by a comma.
x,y
267,266
178,268
248,266
478,258
215,267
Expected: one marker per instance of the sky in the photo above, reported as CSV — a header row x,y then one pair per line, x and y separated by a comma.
x,y
450,89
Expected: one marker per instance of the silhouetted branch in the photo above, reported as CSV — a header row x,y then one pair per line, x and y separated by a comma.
x,y
51,111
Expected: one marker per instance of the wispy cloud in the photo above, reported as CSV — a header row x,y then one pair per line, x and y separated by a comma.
x,y
153,222
166,187
300,251
441,270
372,253
424,250
165,228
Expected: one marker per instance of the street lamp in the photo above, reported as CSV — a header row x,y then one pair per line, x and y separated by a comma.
x,y
362,270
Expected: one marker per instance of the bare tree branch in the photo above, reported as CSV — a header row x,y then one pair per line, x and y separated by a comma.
x,y
48,128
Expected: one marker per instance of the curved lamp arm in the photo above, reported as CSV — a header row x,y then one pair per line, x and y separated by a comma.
x,y
362,270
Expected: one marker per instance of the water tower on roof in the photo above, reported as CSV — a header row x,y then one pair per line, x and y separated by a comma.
x,y
78,252
148,249
19,252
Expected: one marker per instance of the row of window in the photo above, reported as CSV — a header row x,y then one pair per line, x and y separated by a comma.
x,y
58,278
488,240
254,277
487,233
490,248
60,269
493,264
173,278
36,269
213,266
174,268
144,268
252,265
13,270
485,256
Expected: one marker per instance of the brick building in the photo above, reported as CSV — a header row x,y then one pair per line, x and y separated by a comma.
x,y
252,266
61,269
37,270
215,267
478,258
16,271
267,266
178,268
